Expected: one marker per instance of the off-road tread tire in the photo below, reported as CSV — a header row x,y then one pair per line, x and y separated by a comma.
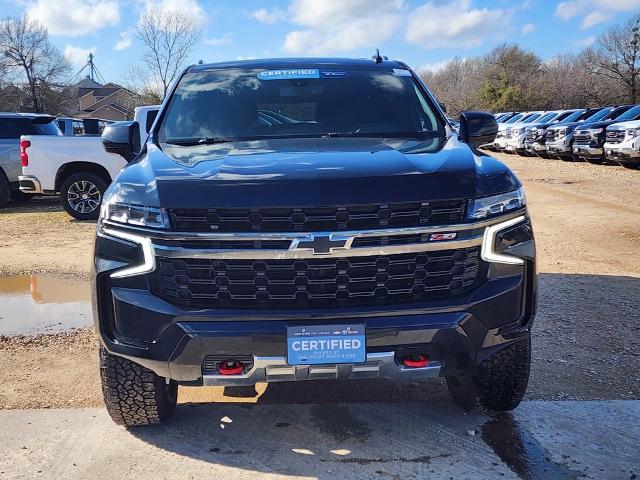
x,y
134,395
97,180
502,378
5,189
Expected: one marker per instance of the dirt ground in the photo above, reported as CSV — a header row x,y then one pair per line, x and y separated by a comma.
x,y
586,335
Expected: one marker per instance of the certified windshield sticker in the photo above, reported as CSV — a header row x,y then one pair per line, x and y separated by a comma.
x,y
401,72
289,74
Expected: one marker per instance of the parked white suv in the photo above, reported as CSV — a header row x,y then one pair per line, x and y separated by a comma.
x,y
76,167
623,143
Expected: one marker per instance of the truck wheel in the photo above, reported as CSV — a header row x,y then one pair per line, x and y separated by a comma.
x,y
133,394
499,383
81,194
20,196
5,189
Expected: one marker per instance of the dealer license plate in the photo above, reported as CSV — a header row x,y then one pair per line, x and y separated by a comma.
x,y
326,344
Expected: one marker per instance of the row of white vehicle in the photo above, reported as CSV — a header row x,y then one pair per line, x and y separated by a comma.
x,y
75,167
597,135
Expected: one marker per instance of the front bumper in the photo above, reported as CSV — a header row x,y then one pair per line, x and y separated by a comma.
x,y
176,342
29,184
588,151
622,154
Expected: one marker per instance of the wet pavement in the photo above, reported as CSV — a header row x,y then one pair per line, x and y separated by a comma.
x,y
413,440
36,304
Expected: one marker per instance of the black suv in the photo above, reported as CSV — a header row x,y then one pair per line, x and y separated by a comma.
x,y
305,219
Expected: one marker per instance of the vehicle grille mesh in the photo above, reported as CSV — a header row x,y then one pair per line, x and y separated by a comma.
x,y
316,283
314,219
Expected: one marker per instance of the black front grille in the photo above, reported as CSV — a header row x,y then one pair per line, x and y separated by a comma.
x,y
582,137
313,219
615,136
316,282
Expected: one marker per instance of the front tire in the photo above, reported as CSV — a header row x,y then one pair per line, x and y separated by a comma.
x,y
81,195
498,383
134,395
5,189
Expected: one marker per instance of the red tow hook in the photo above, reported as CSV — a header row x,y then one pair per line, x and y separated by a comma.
x,y
415,361
230,368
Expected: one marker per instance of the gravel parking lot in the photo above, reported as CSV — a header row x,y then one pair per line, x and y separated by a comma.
x,y
586,336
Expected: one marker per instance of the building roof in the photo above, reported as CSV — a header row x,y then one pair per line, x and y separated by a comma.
x,y
87,82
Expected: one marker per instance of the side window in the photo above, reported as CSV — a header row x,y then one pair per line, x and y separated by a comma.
x,y
78,128
151,117
62,125
14,127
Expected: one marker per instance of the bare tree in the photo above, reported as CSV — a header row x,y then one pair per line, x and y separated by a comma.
x,y
616,55
29,55
169,37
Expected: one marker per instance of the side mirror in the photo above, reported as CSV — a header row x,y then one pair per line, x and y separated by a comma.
x,y
122,138
477,128
443,107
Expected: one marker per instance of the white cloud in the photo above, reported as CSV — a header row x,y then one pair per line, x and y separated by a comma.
x,y
75,17
78,56
125,40
225,39
269,16
584,42
191,8
456,23
594,11
329,26
528,28
434,66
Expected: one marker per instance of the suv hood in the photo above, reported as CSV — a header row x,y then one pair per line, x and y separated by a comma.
x,y
308,172
629,124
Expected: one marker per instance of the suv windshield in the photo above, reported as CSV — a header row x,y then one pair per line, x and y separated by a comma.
x,y
227,104
595,116
514,119
548,117
574,116
631,114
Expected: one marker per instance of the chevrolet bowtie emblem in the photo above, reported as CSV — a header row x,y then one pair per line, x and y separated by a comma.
x,y
322,244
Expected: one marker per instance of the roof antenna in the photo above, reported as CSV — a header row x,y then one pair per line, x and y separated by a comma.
x,y
199,62
377,58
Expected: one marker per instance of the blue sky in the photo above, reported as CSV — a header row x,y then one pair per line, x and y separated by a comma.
x,y
420,32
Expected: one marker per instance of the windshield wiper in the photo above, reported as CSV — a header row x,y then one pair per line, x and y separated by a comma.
x,y
193,141
419,135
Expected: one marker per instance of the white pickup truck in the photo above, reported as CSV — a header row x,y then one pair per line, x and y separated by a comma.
x,y
77,168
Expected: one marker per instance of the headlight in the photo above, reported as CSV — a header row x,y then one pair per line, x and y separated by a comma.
x,y
496,204
138,215
595,131
634,132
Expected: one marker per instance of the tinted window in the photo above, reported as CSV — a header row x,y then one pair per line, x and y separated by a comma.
x,y
61,125
78,128
631,114
597,115
548,117
91,126
260,103
14,127
151,117
574,116
530,118
515,119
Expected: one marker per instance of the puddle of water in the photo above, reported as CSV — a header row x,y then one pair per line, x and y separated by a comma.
x,y
35,304
521,452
